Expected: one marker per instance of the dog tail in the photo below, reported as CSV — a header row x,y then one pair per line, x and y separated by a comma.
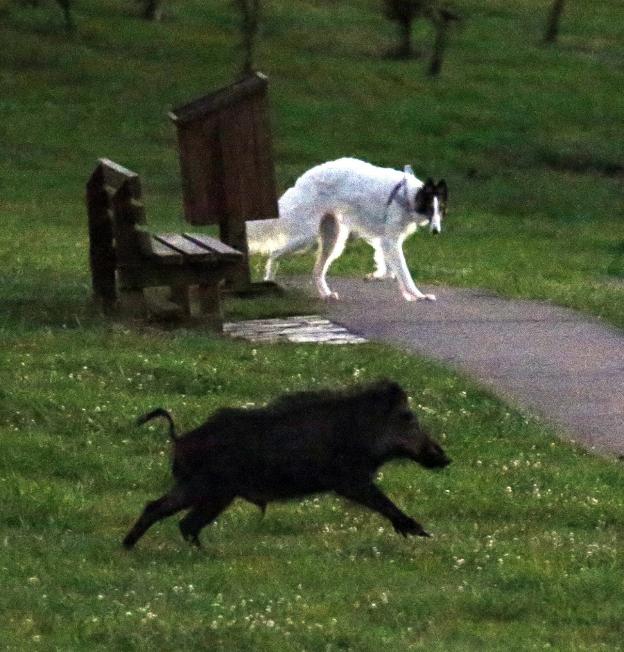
x,y
160,412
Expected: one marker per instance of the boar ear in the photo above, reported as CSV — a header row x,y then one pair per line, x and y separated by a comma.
x,y
391,393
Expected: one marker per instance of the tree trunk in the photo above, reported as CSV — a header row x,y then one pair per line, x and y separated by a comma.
x,y
441,24
69,21
404,50
152,10
552,25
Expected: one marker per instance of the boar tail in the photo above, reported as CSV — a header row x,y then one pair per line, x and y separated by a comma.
x,y
160,412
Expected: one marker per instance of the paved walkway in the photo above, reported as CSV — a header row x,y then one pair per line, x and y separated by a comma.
x,y
564,366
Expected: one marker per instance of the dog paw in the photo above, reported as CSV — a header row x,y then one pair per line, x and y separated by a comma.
x,y
376,276
331,297
410,296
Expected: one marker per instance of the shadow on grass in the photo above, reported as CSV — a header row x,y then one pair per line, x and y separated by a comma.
x,y
60,308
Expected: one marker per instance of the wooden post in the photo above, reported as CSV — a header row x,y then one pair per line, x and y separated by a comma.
x,y
101,251
180,296
210,304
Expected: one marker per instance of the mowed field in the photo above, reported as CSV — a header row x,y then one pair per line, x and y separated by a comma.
x,y
526,552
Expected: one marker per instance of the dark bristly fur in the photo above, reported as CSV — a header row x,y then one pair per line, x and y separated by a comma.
x,y
301,444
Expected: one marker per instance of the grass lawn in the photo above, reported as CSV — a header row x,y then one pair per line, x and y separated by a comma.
x,y
527,530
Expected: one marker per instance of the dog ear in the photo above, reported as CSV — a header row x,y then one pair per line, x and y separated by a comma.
x,y
442,189
420,200
429,184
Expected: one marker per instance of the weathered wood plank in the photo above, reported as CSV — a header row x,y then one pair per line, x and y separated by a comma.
x,y
266,200
154,248
124,226
186,247
221,99
115,175
234,135
201,170
215,245
102,259
226,158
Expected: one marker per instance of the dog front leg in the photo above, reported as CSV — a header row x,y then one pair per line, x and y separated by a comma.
x,y
393,254
381,270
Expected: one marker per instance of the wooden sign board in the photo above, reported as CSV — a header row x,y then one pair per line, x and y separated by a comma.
x,y
226,158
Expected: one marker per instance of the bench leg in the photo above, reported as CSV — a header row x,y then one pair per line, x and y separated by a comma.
x,y
105,305
180,296
132,303
210,304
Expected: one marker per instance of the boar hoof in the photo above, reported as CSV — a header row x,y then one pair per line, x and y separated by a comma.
x,y
411,527
190,536
129,541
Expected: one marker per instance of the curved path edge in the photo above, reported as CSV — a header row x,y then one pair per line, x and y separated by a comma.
x,y
566,367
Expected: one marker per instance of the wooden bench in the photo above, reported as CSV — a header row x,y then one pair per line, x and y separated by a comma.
x,y
126,259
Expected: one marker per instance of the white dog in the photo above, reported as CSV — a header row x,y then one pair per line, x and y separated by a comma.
x,y
327,203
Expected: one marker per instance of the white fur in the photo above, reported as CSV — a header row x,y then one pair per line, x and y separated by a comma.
x,y
356,194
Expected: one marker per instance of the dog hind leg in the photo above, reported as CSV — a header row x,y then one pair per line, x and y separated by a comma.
x,y
332,239
299,244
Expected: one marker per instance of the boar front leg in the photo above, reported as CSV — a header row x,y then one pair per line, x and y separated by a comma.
x,y
372,497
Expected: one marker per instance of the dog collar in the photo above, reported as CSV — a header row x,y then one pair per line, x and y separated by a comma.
x,y
401,199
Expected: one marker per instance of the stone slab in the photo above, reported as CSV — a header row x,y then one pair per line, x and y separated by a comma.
x,y
313,329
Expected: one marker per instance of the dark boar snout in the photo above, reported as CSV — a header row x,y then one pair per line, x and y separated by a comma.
x,y
406,438
432,456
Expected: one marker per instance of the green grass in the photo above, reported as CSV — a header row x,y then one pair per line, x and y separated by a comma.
x,y
523,525
527,529
529,137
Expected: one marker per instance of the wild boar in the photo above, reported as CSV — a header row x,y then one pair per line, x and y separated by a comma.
x,y
300,444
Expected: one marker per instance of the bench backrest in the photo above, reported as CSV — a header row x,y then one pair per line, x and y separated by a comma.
x,y
226,158
114,209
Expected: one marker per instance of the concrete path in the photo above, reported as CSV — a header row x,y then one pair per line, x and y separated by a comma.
x,y
566,367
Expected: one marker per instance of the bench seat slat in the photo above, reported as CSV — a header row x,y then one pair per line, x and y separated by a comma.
x,y
188,248
151,246
214,245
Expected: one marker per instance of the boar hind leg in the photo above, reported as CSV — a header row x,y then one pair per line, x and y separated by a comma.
x,y
172,502
372,497
200,516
